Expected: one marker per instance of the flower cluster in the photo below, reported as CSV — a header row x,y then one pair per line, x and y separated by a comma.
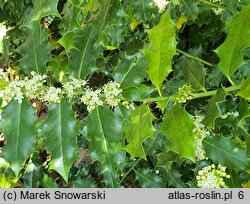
x,y
105,95
35,88
111,90
176,2
212,177
161,4
92,98
200,132
70,87
234,114
217,10
184,94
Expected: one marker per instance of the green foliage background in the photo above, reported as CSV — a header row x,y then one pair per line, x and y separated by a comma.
x,y
152,55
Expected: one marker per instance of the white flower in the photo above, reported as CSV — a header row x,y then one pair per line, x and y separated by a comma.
x,y
161,4
69,89
128,105
218,11
51,95
4,76
91,99
13,90
34,85
200,132
184,94
212,177
70,86
234,114
77,83
176,2
111,90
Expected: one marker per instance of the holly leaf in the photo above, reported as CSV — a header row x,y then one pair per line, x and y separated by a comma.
x,y
43,8
245,131
245,89
139,130
148,179
58,66
172,176
178,127
213,109
189,8
161,50
131,70
81,60
60,133
35,50
49,182
230,52
193,72
32,176
71,20
18,125
223,150
137,93
91,6
110,16
143,10
67,40
106,140
110,13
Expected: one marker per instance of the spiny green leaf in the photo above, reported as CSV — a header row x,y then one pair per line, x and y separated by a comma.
x,y
194,73
43,8
91,6
161,50
48,182
243,108
230,52
67,40
231,5
60,132
110,16
245,131
114,35
32,176
18,126
212,108
58,66
189,8
245,90
131,70
223,150
143,10
178,127
139,130
165,159
137,93
81,60
148,179
35,50
106,140
172,177
72,17
123,113
109,13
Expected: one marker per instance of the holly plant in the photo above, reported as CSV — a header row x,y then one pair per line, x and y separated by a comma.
x,y
125,93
